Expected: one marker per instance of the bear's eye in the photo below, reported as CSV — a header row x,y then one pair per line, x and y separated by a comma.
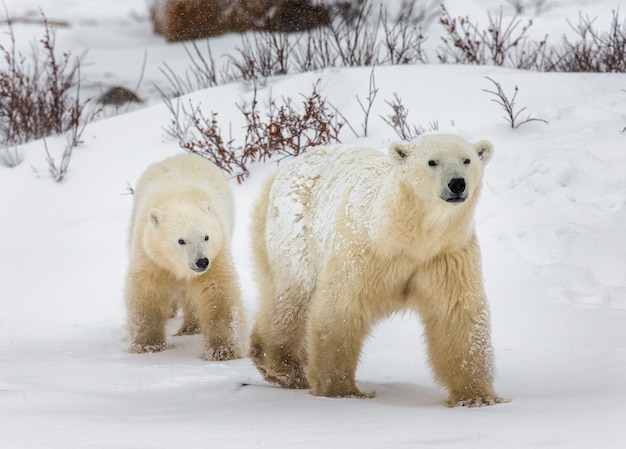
x,y
432,163
466,161
206,238
181,242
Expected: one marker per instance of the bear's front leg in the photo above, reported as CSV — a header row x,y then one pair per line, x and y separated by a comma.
x,y
148,309
455,313
220,312
190,324
336,330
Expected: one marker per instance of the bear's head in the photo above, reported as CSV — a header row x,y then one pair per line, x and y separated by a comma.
x,y
442,167
182,239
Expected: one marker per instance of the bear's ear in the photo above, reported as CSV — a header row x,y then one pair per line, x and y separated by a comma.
x,y
156,217
398,151
484,149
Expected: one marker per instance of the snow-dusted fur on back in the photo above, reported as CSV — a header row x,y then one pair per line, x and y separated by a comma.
x,y
344,237
180,234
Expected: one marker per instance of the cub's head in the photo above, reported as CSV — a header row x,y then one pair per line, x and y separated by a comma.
x,y
444,168
182,239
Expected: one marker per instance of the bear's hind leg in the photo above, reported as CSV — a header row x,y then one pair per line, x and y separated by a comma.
x,y
276,343
277,363
336,330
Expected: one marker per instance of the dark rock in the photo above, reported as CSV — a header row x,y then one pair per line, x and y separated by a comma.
x,y
118,96
180,20
298,15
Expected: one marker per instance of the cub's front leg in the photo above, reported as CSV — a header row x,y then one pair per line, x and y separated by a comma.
x,y
219,309
148,309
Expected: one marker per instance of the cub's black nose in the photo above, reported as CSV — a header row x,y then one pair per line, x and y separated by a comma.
x,y
202,263
457,185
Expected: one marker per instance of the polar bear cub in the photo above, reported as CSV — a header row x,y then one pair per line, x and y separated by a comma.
x,y
344,237
179,246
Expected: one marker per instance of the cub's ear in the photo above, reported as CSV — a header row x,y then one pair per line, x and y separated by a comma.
x,y
156,217
399,151
484,149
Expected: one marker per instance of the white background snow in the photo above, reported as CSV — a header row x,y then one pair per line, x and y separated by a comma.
x,y
552,225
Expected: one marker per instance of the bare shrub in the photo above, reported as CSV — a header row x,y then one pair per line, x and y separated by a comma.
x,y
201,74
40,96
520,5
72,137
466,43
593,51
403,37
314,51
538,6
532,55
507,44
366,107
199,134
11,156
284,131
398,120
508,104
265,54
262,55
58,171
355,39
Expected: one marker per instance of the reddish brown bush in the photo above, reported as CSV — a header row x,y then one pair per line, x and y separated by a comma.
x,y
284,131
39,95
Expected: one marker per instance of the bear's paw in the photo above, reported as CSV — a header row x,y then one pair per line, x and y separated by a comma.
x,y
478,401
188,329
341,391
221,353
139,348
292,379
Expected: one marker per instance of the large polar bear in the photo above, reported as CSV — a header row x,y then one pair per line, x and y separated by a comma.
x,y
180,234
344,237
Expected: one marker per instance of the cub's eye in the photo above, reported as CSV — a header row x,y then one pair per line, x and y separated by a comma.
x,y
466,161
206,238
181,242
432,163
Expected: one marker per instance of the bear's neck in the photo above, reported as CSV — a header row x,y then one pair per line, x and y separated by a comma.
x,y
408,226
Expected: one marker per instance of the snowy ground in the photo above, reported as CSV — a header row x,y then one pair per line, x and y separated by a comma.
x,y
551,225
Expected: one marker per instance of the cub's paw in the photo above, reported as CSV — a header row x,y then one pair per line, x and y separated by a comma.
x,y
221,353
478,401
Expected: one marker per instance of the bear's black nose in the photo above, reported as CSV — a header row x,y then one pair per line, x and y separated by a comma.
x,y
457,185
202,263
